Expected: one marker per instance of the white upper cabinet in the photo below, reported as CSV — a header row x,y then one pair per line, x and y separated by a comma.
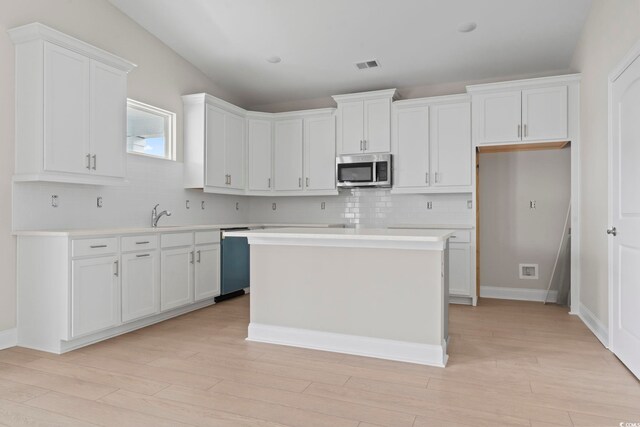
x,y
364,122
544,114
214,151
288,155
528,111
432,145
71,109
320,153
451,163
260,158
499,117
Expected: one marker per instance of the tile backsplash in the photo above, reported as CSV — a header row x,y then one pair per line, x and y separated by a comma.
x,y
154,181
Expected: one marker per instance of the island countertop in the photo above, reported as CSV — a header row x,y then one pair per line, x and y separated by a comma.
x,y
434,239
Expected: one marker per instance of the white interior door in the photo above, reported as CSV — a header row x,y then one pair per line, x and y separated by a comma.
x,y
259,139
288,155
625,217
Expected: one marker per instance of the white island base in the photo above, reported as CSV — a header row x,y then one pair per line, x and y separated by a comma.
x,y
377,293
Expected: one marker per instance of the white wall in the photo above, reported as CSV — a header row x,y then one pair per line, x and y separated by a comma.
x,y
160,79
511,232
612,28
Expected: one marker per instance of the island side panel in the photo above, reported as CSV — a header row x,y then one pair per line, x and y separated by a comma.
x,y
391,294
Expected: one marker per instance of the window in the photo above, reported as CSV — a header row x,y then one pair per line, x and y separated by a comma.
x,y
150,131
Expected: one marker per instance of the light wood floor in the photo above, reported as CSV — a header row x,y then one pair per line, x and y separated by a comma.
x,y
511,363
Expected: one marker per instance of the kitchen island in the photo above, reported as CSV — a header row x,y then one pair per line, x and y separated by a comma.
x,y
371,292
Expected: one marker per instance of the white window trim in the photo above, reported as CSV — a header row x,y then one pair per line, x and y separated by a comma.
x,y
170,129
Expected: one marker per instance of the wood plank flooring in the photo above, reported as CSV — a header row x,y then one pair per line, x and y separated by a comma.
x,y
511,364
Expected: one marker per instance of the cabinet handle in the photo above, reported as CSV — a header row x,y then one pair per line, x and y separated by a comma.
x,y
191,253
95,161
97,246
198,256
300,182
525,131
268,182
365,145
117,273
438,177
142,243
519,131
426,177
142,256
361,149
229,179
307,181
89,161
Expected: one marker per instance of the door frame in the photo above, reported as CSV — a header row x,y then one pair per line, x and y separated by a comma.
x,y
629,58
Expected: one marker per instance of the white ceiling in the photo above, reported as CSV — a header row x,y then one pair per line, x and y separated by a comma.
x,y
415,41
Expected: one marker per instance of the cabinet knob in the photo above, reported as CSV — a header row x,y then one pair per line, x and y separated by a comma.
x,y
613,231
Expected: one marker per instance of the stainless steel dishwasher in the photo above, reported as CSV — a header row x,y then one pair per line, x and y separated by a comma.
x,y
234,265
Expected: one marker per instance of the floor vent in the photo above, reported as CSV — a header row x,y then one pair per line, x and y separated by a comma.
x,y
528,271
373,63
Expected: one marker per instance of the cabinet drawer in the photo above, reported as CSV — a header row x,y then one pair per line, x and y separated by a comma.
x,y
461,236
90,247
176,239
139,243
207,237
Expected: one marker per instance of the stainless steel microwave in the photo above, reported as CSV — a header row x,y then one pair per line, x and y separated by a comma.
x,y
364,170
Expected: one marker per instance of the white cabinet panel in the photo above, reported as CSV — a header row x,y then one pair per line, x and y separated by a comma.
x,y
207,271
176,277
459,269
411,167
260,158
320,153
288,155
108,120
451,163
140,285
544,114
234,150
498,116
66,110
95,295
351,127
377,126
216,175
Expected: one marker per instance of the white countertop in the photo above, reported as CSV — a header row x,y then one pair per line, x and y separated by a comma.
x,y
434,226
351,237
160,229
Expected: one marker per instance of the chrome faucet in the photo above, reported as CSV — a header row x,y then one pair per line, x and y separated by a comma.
x,y
155,216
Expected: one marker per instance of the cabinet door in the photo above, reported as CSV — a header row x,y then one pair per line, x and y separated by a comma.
x,y
95,295
66,110
140,285
234,150
215,172
459,269
544,114
451,144
411,167
108,120
498,116
288,155
320,153
377,126
176,277
351,127
207,272
259,140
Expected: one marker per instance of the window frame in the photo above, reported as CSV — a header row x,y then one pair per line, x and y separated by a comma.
x,y
169,129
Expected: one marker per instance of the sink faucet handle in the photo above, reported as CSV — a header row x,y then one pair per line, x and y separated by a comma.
x,y
168,213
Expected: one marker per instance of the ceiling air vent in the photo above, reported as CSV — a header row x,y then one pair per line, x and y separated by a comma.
x,y
373,63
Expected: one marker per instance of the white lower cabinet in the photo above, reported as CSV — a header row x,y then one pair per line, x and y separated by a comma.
x,y
140,285
95,294
207,271
74,291
176,277
459,269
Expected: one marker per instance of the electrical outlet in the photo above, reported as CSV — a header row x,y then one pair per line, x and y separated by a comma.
x,y
99,202
469,204
187,204
528,271
322,205
202,205
273,206
237,206
54,201
429,205
532,204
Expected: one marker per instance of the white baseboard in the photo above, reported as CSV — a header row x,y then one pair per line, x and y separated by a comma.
x,y
594,324
520,294
8,338
424,354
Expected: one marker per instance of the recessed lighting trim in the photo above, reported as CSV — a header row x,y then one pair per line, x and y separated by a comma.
x,y
274,59
467,27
